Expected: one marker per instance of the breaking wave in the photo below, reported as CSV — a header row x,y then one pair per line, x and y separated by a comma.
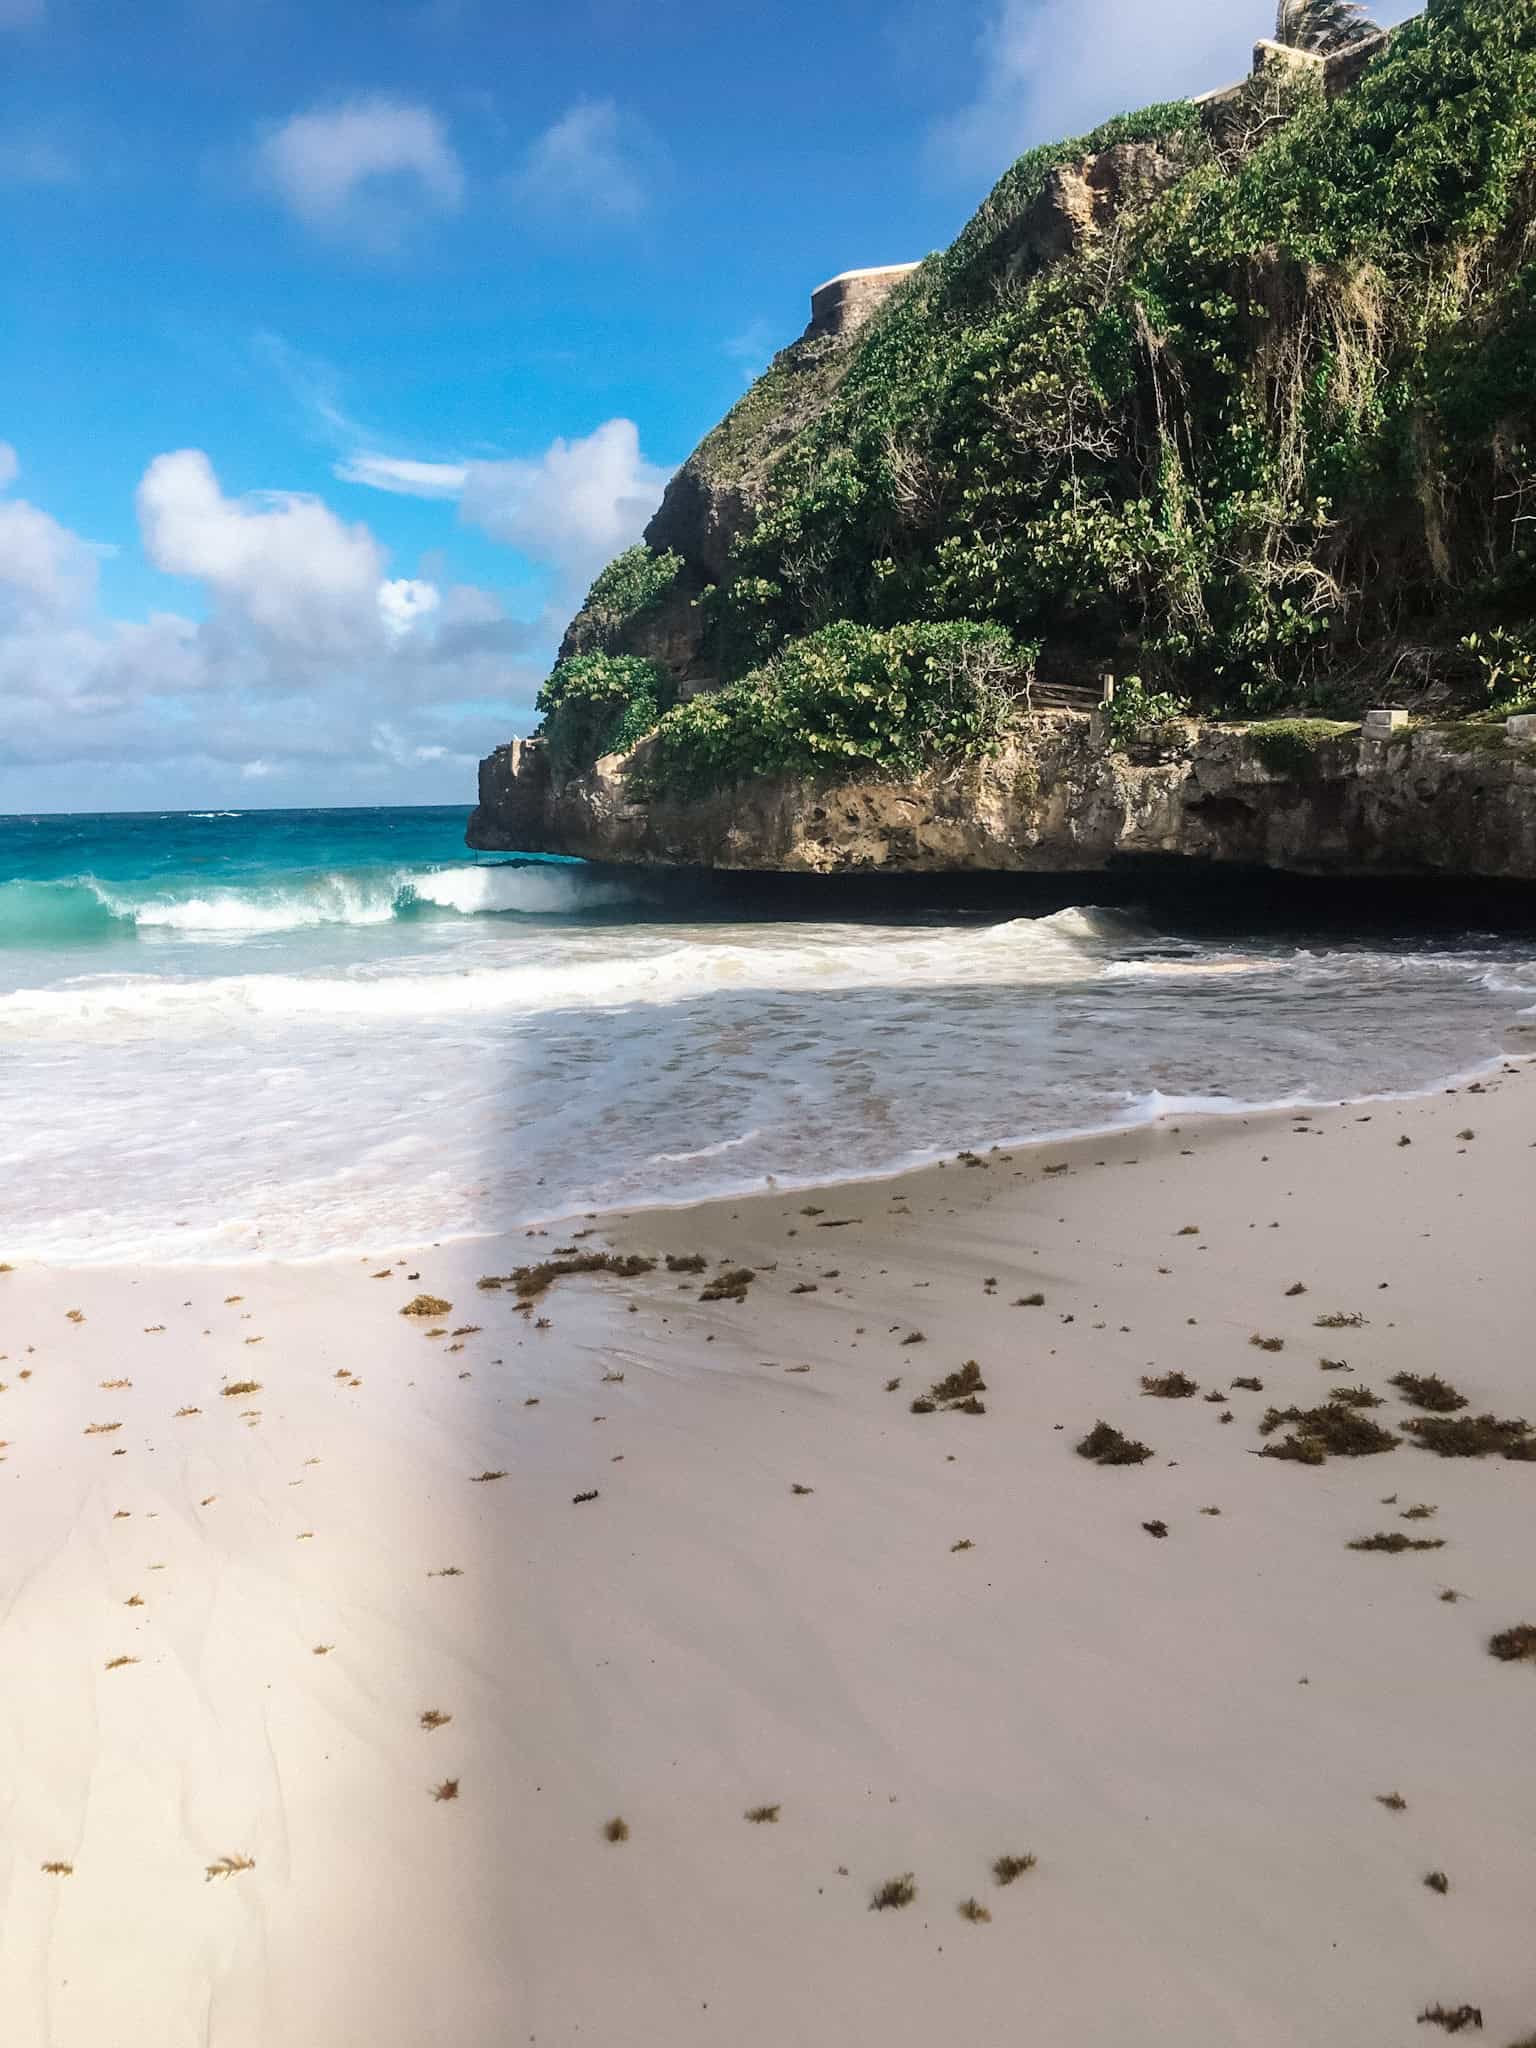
x,y
82,909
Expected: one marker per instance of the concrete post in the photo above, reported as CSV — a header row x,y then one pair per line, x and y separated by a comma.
x,y
1380,725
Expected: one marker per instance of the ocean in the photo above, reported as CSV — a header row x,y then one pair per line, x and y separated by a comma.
x,y
230,1034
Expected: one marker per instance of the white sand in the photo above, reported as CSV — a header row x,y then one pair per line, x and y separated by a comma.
x,y
1189,1734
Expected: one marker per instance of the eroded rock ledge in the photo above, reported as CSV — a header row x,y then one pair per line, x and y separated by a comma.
x,y
1057,798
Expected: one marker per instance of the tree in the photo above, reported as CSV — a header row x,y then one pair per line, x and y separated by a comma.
x,y
1322,25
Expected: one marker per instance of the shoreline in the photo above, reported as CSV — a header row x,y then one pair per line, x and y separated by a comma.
x,y
929,1639
1191,1111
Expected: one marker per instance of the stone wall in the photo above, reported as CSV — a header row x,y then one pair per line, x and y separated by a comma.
x,y
845,302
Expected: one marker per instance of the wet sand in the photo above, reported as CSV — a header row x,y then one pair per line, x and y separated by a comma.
x,y
929,1640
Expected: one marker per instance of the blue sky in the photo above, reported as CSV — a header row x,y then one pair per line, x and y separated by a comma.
x,y
341,341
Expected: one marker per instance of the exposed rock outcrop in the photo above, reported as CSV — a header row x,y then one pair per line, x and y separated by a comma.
x,y
1057,798
1080,201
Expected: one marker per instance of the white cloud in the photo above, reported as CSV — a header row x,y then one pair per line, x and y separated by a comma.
x,y
594,159
407,479
46,572
306,650
573,508
404,603
1052,68
284,562
10,465
1056,68
366,171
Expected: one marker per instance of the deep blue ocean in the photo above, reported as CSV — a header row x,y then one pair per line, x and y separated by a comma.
x,y
256,1033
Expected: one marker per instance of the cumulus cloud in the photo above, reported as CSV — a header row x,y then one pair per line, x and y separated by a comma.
x,y
46,572
306,648
594,159
283,561
404,603
575,506
366,171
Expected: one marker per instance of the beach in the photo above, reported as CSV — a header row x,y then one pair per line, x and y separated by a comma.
x,y
415,1618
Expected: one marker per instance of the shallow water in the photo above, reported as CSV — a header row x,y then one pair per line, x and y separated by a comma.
x,y
291,1033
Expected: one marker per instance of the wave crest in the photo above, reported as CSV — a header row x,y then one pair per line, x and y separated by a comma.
x,y
82,909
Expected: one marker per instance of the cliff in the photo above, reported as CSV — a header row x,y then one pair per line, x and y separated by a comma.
x,y
1232,401
1303,798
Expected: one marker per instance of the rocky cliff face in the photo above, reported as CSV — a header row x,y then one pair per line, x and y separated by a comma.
x,y
1458,801
1196,314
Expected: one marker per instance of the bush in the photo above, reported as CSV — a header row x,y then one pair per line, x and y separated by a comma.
x,y
1135,712
632,585
597,704
847,699
1507,657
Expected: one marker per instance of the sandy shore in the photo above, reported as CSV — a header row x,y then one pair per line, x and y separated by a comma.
x,y
926,1640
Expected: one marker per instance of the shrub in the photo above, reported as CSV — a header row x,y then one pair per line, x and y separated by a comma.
x,y
595,704
1137,713
847,699
632,585
1507,658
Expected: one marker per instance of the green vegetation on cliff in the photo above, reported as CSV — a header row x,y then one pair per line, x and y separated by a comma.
x,y
627,592
846,698
1234,396
598,704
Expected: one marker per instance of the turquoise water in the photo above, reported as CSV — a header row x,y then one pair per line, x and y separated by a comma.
x,y
231,1034
73,881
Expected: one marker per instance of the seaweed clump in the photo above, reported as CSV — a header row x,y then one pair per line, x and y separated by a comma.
x,y
1514,1645
896,1891
1105,1445
957,1392
1355,1397
1335,1430
1428,1390
731,1285
1474,1436
1169,1386
533,1280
